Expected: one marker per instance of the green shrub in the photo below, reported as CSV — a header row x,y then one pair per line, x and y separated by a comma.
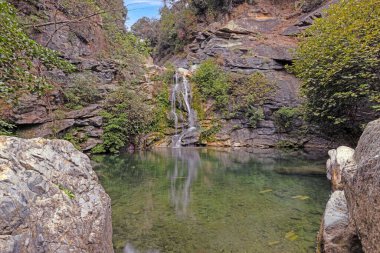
x,y
125,117
338,61
21,57
209,134
6,128
289,145
248,91
284,117
212,83
83,91
254,115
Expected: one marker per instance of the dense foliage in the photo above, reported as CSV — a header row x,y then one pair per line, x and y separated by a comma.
x,y
146,29
212,82
21,58
285,118
126,116
179,22
235,95
338,61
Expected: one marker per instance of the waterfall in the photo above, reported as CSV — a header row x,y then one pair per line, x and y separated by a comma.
x,y
181,99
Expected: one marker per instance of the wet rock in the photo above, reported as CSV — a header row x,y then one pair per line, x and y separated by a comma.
x,y
50,199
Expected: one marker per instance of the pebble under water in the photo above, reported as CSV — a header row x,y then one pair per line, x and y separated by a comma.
x,y
203,200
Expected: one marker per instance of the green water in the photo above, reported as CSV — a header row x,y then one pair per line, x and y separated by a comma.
x,y
202,200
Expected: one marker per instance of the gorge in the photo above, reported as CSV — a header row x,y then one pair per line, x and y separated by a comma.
x,y
206,130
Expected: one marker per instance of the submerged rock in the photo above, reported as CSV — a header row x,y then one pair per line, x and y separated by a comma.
x,y
50,199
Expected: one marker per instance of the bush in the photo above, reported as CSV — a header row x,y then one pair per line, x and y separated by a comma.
x,y
22,58
254,115
125,117
338,61
212,83
248,90
175,29
284,117
83,91
6,128
209,134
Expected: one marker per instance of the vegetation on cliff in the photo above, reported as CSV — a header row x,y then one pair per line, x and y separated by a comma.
x,y
178,24
23,60
338,61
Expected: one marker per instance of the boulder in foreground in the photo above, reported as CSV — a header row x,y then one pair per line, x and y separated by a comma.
x,y
50,199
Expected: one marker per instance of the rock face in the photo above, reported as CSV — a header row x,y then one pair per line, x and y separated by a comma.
x,y
336,235
87,45
50,199
355,176
254,40
362,188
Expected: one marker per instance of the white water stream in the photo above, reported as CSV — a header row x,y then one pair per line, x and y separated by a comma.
x,y
181,100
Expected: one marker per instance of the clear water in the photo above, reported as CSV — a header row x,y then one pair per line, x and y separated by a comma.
x,y
202,200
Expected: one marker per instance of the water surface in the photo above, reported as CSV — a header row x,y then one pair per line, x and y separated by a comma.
x,y
203,200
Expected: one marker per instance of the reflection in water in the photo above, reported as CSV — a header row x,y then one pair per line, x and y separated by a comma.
x,y
130,249
203,200
186,164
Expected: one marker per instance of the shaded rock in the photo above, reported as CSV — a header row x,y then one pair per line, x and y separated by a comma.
x,y
30,109
46,129
90,143
96,121
337,234
50,199
362,188
87,112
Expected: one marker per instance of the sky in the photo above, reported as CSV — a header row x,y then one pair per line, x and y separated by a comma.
x,y
142,8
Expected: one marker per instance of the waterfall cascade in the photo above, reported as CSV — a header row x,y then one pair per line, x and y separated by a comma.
x,y
181,100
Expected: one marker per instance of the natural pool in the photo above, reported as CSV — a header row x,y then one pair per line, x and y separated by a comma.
x,y
204,200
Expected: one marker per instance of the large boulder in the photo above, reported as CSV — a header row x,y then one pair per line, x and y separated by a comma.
x,y
50,199
362,188
352,216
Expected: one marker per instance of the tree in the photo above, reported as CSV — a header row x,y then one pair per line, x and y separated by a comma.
x,y
146,29
338,61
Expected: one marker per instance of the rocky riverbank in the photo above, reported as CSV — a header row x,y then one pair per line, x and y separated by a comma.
x,y
351,220
50,199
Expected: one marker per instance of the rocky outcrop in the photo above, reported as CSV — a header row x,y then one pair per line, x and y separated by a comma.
x,y
80,32
50,199
362,188
253,41
355,177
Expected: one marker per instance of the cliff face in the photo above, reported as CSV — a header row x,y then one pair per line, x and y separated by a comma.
x,y
258,38
74,28
353,225
84,32
253,38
